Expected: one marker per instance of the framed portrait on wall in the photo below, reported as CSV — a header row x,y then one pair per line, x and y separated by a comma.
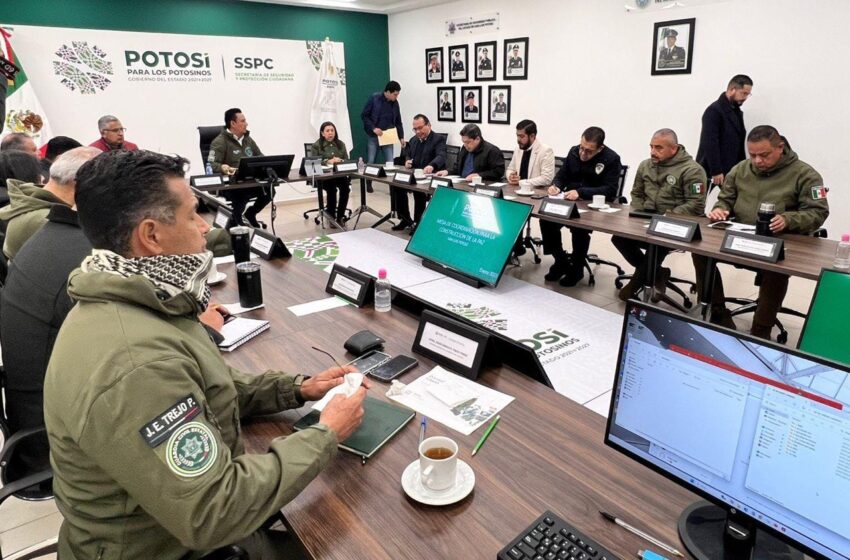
x,y
434,65
516,59
673,46
485,61
458,60
499,108
471,98
446,104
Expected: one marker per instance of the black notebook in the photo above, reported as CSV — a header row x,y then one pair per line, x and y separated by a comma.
x,y
381,421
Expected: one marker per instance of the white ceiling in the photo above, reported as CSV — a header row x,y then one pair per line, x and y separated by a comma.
x,y
373,6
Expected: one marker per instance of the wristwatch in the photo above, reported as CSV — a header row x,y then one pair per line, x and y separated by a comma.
x,y
296,383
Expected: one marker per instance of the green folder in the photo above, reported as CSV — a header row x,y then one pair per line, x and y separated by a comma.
x,y
381,421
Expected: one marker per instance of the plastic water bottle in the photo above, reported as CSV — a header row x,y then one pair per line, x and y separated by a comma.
x,y
361,166
208,168
842,253
383,300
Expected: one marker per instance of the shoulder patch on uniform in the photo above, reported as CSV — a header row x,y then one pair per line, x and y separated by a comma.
x,y
697,188
249,152
600,167
157,430
819,192
191,450
671,180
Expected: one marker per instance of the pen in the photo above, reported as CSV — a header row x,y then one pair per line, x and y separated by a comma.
x,y
422,426
641,534
486,435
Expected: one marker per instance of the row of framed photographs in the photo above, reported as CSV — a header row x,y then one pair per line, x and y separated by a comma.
x,y
485,62
471,104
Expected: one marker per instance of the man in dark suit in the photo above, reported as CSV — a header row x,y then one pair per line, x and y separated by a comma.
x,y
446,105
671,56
484,62
477,157
425,151
721,142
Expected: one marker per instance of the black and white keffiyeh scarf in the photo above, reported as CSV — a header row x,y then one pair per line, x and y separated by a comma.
x,y
171,274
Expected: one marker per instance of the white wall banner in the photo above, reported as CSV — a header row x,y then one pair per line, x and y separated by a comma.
x,y
330,103
163,86
468,25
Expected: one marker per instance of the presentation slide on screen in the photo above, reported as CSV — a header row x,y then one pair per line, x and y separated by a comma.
x,y
469,233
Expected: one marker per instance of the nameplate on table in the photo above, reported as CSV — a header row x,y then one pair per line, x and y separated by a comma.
x,y
350,284
444,183
451,343
223,219
268,246
558,208
345,167
486,190
206,181
403,177
672,228
375,171
760,247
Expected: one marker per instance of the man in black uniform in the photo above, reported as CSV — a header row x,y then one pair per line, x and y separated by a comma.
x,y
447,105
721,142
671,56
484,63
457,63
591,168
425,151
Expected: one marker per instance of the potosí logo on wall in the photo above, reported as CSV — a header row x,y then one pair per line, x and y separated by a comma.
x,y
167,66
83,68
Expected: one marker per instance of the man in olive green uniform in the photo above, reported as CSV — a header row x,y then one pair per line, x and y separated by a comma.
x,y
772,174
29,204
142,413
669,181
226,150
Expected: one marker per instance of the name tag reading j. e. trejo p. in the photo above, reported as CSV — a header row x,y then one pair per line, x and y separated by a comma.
x,y
672,228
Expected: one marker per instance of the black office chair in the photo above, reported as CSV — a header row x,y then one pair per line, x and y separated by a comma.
x,y
593,258
308,152
747,305
451,156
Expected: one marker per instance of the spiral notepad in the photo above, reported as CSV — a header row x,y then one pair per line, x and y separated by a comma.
x,y
239,330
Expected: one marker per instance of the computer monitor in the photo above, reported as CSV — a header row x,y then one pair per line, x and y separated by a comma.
x,y
261,168
826,332
761,431
468,236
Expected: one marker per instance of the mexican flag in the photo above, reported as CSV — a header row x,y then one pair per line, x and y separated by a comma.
x,y
23,112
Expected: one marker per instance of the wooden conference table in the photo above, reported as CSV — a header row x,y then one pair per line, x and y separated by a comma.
x,y
546,453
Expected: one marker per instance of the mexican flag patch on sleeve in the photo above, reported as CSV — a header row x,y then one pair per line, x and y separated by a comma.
x,y
697,188
819,192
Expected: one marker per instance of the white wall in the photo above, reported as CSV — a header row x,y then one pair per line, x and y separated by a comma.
x,y
589,64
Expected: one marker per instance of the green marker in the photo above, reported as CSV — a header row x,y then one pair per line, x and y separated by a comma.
x,y
486,435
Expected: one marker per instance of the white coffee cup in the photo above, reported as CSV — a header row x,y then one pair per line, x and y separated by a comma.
x,y
438,474
418,173
599,200
389,165
477,180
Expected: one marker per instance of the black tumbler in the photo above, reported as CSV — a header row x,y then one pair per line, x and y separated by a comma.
x,y
240,238
250,286
767,210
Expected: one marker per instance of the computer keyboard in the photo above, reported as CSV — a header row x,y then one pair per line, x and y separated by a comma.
x,y
552,538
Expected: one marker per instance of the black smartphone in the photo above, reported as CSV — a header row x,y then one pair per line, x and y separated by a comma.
x,y
369,361
393,368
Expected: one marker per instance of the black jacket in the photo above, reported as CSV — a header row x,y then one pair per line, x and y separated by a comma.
x,y
599,175
380,113
721,142
430,152
33,305
488,162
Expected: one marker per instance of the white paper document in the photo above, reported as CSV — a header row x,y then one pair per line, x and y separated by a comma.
x,y
319,305
452,400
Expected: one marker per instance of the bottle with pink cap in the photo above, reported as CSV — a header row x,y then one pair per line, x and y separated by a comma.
x,y
842,253
383,294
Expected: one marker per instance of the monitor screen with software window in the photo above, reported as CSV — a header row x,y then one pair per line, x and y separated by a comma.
x,y
760,430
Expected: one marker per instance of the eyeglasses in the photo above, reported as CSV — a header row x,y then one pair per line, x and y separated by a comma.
x,y
115,130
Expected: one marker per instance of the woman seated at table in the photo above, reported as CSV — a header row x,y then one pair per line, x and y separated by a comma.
x,y
332,150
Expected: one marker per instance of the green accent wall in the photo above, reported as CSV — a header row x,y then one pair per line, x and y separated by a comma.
x,y
365,35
